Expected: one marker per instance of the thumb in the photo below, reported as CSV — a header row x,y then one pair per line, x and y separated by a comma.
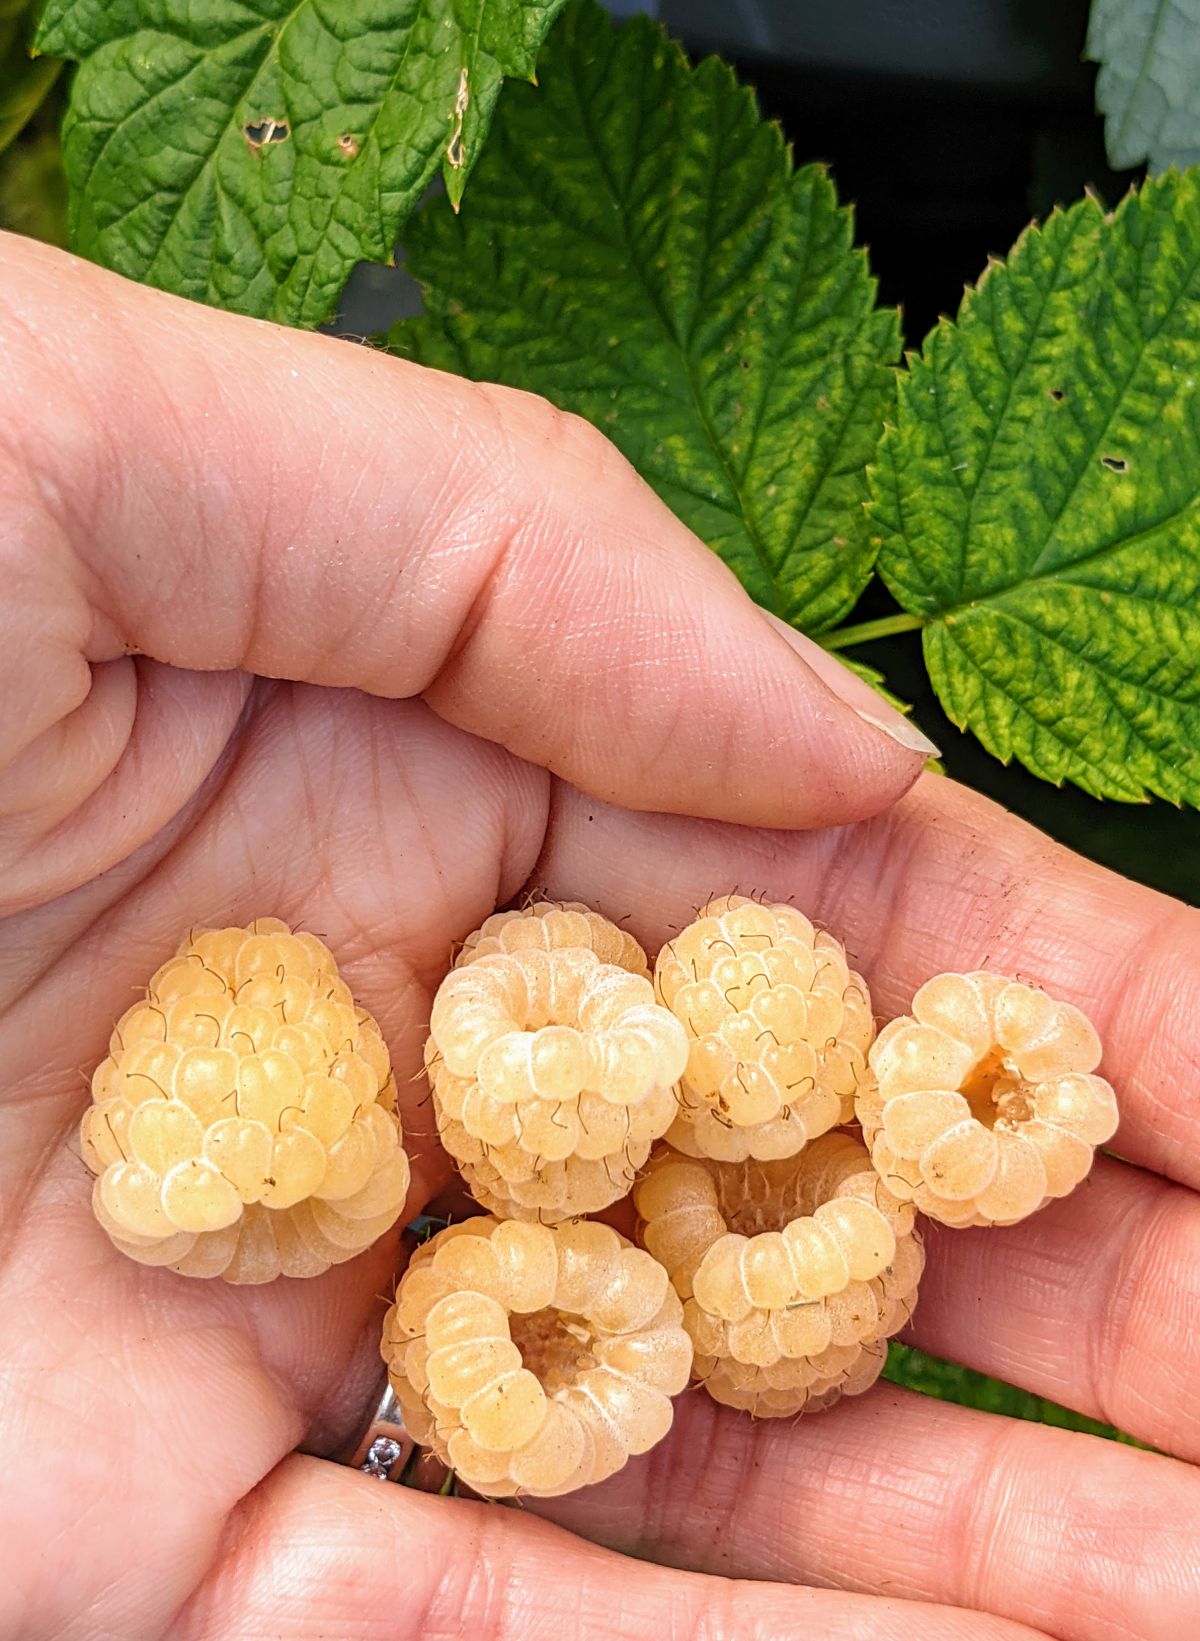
x,y
215,492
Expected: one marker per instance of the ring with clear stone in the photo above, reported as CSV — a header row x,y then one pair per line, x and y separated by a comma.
x,y
385,1446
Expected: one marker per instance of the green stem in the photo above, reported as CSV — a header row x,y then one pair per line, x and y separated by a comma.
x,y
865,631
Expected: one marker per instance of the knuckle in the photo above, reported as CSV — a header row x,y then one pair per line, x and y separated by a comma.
x,y
536,432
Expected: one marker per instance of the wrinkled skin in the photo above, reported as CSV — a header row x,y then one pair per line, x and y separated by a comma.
x,y
288,628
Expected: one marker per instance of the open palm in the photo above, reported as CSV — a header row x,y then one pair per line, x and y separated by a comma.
x,y
294,631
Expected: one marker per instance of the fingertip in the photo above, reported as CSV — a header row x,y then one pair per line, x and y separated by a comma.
x,y
854,691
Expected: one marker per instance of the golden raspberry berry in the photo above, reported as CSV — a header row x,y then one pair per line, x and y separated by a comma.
x,y
792,1271
984,1104
793,1385
535,1359
244,1123
778,1030
551,925
552,1070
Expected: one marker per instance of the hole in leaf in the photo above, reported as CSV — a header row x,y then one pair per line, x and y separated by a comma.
x,y
1057,394
258,133
348,145
1115,464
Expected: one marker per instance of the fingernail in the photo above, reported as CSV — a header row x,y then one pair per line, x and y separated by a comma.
x,y
854,691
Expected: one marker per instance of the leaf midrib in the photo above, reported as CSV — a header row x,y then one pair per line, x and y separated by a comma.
x,y
1160,16
1022,618
621,362
757,545
1012,378
368,138
1035,573
1064,572
1102,774
1147,342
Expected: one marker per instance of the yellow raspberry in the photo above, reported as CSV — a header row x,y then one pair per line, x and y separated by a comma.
x,y
778,1030
244,1122
984,1105
788,1269
793,1385
553,1072
551,925
535,1359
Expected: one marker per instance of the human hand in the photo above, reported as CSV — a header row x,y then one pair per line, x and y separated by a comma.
x,y
191,500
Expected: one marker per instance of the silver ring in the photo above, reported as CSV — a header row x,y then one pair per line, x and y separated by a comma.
x,y
385,1447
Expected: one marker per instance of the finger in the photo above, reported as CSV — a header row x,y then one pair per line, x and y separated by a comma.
x,y
219,493
160,1395
109,777
341,815
1094,1302
893,1492
175,1396
320,1551
945,880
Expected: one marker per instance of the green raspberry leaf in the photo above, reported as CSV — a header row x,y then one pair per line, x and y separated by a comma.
x,y
1039,499
638,248
1148,87
249,152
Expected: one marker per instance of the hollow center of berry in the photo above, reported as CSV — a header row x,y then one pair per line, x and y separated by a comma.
x,y
751,1202
555,1346
997,1093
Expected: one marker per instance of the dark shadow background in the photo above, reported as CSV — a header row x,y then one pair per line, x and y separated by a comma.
x,y
948,124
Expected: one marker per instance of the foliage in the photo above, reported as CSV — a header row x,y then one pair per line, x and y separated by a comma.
x,y
1148,87
640,250
1039,499
250,152
649,259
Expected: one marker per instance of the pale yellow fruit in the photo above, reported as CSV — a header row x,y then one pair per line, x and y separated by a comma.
x,y
778,1030
535,1359
794,1385
984,1103
788,1269
552,925
553,1071
244,1122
